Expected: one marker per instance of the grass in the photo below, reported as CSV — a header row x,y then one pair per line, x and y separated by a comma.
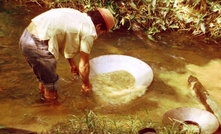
x,y
201,17
98,124
92,123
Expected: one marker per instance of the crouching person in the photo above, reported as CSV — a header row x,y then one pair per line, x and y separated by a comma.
x,y
66,31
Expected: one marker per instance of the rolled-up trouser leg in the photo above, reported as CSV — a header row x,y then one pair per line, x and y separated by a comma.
x,y
40,59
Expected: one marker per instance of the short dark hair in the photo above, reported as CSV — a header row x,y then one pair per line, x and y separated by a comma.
x,y
97,18
144,130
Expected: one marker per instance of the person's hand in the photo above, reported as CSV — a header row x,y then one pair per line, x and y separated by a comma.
x,y
85,88
74,70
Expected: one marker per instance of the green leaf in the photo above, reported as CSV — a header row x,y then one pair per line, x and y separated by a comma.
x,y
133,5
174,26
202,27
151,37
154,2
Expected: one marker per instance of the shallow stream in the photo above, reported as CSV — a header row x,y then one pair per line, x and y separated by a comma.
x,y
173,58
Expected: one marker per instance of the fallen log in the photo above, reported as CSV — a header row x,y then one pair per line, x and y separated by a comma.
x,y
204,97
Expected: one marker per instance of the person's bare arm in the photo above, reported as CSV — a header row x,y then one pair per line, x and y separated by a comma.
x,y
84,70
74,66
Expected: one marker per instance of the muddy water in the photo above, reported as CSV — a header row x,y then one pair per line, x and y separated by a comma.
x,y
173,59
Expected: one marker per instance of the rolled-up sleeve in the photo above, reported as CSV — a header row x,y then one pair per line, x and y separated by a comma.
x,y
86,44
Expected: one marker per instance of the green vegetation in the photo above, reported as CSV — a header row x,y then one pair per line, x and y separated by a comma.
x,y
98,124
91,123
154,16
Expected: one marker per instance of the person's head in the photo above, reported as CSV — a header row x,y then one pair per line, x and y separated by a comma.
x,y
103,20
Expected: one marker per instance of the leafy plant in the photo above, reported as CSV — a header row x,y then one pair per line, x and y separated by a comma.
x,y
90,122
154,16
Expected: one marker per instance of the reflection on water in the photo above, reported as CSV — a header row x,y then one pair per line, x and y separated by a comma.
x,y
209,75
172,61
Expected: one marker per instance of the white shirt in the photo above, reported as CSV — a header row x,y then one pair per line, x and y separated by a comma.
x,y
68,30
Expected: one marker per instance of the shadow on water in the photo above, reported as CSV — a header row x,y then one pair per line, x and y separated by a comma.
x,y
173,58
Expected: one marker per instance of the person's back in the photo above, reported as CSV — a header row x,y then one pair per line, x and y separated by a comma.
x,y
58,21
63,27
